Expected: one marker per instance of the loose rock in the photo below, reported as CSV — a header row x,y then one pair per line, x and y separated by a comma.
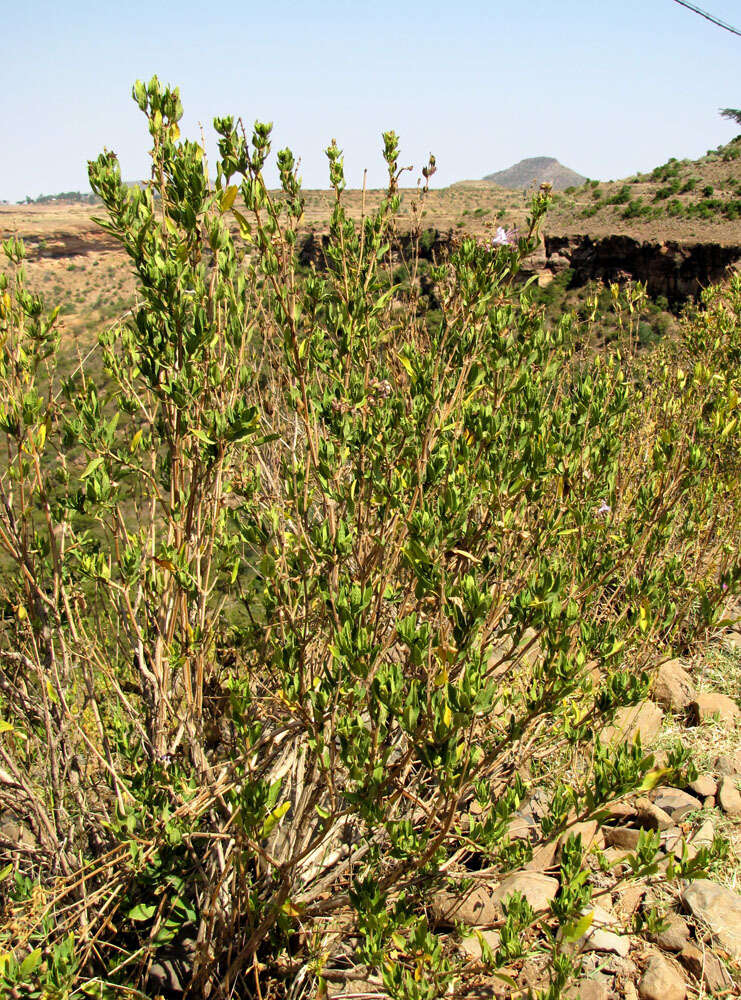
x,y
675,936
543,857
599,938
472,945
720,909
729,763
673,688
705,835
590,834
474,907
703,786
537,889
650,816
708,707
622,836
589,989
729,798
629,899
733,638
661,981
676,802
706,968
644,719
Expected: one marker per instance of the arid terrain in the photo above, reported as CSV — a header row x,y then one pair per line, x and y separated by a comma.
x,y
687,203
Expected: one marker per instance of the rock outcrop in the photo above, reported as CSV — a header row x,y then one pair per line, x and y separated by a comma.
x,y
675,270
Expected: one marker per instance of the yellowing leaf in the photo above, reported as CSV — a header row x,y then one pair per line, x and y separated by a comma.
x,y
407,365
643,618
244,225
572,932
165,564
441,677
228,197
654,778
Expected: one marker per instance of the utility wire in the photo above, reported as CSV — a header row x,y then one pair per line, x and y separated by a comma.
x,y
708,17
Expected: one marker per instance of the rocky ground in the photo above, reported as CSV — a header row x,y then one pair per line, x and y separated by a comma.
x,y
694,951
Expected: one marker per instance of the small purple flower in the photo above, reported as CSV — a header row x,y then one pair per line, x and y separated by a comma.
x,y
505,237
604,507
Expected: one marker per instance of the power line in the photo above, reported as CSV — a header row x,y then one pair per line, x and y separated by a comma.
x,y
709,17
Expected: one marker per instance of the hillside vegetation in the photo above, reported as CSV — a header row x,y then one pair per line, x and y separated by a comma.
x,y
331,609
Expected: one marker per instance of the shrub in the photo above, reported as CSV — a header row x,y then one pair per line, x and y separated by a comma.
x,y
670,189
666,171
621,197
321,583
636,209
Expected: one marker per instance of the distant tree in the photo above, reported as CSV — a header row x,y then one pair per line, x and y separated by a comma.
x,y
733,113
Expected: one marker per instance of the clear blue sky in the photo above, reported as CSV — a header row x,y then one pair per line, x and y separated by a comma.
x,y
608,88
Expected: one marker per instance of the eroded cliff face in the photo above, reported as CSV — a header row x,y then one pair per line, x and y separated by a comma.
x,y
59,245
675,270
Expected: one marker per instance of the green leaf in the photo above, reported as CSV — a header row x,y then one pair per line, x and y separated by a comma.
x,y
142,911
274,817
30,963
243,223
202,436
92,466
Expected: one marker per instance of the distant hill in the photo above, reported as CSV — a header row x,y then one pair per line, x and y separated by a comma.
x,y
63,197
70,197
537,170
